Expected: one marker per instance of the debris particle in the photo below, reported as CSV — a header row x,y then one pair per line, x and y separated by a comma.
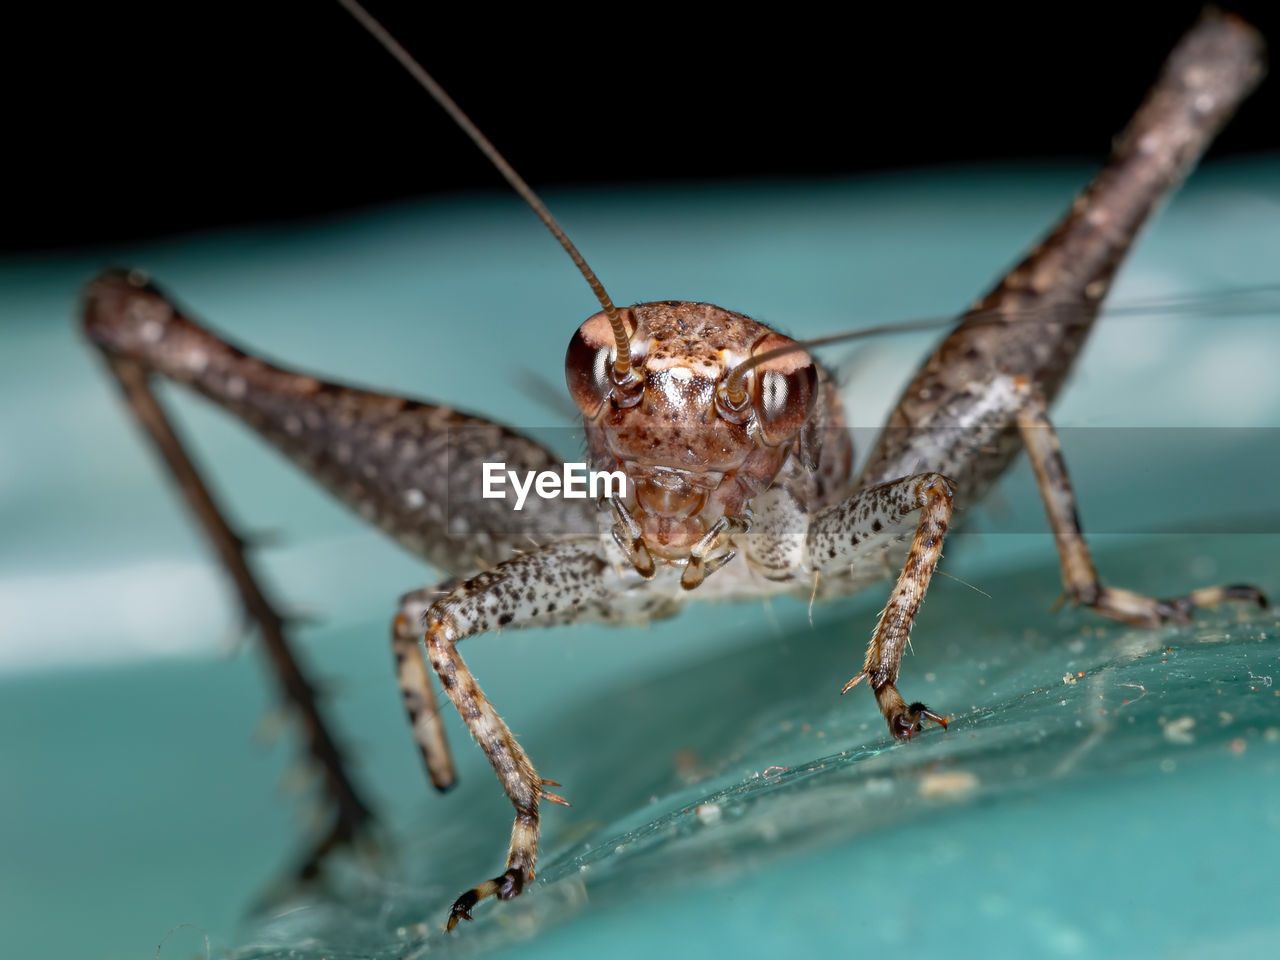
x,y
1179,731
948,784
1237,746
708,813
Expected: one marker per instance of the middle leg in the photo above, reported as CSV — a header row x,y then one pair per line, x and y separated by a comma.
x,y
419,699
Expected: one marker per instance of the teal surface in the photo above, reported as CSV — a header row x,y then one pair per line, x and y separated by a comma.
x,y
1103,791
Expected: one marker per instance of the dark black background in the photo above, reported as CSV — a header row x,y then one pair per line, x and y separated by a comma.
x,y
144,118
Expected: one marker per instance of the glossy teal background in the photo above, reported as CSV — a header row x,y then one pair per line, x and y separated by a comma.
x,y
1053,818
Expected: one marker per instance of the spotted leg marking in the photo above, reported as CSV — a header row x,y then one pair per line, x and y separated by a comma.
x,y
1078,573
879,513
569,582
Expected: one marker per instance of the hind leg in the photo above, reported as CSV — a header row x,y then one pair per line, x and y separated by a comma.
x,y
1078,573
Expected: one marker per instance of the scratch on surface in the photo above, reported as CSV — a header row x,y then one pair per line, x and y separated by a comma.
x,y
205,933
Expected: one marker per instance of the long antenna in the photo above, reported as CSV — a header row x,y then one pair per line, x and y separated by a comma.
x,y
1258,300
735,382
622,363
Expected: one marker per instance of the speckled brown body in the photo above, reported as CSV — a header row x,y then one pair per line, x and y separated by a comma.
x,y
729,497
689,466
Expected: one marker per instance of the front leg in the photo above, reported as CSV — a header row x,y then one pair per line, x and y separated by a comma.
x,y
871,520
585,580
1078,573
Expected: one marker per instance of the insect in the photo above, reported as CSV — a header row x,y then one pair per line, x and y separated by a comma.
x,y
732,440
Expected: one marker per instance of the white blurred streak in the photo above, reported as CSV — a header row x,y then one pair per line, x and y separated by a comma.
x,y
81,618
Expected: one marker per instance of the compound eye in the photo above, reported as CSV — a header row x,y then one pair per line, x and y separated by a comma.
x,y
785,392
586,371
588,363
